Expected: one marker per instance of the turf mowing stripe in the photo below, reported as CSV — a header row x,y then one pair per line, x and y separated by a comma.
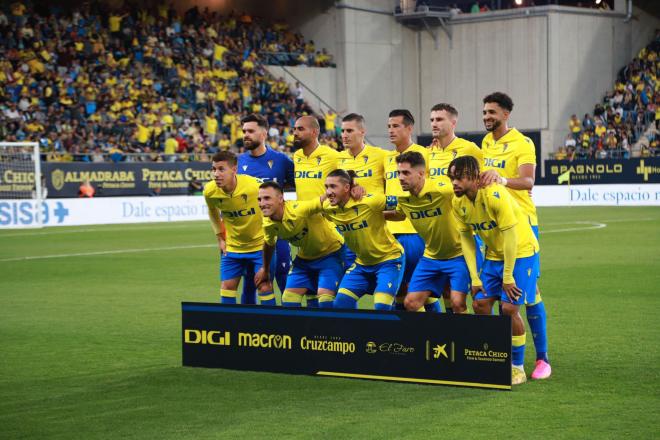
x,y
118,251
285,312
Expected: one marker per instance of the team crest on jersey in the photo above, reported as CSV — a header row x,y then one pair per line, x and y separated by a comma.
x,y
429,196
366,159
355,208
290,222
318,160
463,208
298,160
454,154
496,194
244,197
505,147
244,167
270,164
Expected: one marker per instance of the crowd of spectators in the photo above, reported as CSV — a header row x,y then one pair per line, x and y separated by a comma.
x,y
629,113
96,85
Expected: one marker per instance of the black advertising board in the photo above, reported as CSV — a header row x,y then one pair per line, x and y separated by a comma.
x,y
639,170
426,348
123,179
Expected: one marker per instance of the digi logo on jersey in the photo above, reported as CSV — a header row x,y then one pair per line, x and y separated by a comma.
x,y
437,172
352,226
391,175
239,213
300,235
211,337
428,213
308,174
495,163
484,226
363,173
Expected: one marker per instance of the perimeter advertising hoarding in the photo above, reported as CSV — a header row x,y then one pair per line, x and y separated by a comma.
x,y
589,172
123,179
426,348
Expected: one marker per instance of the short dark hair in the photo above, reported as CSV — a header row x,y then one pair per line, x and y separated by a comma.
x,y
501,99
253,117
464,166
272,184
353,117
446,107
225,156
407,116
348,176
413,158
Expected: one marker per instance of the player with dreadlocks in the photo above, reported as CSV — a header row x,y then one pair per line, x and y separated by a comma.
x,y
509,270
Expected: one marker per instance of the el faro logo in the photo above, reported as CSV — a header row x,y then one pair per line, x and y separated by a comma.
x,y
210,337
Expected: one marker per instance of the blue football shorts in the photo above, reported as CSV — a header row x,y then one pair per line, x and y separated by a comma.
x,y
524,274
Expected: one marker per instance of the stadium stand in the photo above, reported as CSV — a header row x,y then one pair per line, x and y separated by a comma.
x,y
626,123
144,85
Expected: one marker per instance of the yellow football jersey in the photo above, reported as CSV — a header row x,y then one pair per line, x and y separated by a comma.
x,y
440,158
363,226
393,186
240,213
311,171
304,227
430,214
495,210
368,166
505,156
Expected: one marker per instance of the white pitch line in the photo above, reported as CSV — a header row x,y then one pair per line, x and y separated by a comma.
x,y
75,231
594,225
118,251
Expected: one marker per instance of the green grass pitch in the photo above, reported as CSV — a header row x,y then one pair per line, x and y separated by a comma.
x,y
90,345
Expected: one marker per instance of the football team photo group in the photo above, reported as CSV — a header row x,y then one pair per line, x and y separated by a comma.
x,y
418,228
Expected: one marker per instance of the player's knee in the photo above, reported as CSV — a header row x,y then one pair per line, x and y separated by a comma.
x,y
458,304
412,303
481,307
510,309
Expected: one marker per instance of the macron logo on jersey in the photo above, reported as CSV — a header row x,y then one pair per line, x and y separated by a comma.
x,y
495,163
428,213
483,226
239,213
308,174
352,226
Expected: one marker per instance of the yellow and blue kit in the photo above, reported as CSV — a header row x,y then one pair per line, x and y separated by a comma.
x,y
370,175
498,219
243,223
310,171
505,156
440,158
318,263
431,216
403,231
379,265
